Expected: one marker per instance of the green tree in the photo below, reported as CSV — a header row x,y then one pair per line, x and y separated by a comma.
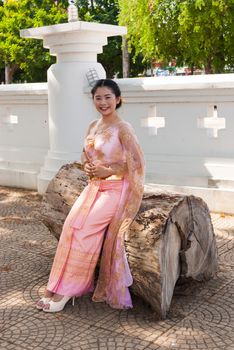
x,y
194,32
151,28
26,57
206,29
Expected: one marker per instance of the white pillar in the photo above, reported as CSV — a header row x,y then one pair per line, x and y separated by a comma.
x,y
76,46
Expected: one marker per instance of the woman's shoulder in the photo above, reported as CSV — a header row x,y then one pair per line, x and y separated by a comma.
x,y
124,126
92,125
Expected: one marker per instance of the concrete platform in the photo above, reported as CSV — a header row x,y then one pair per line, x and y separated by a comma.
x,y
201,315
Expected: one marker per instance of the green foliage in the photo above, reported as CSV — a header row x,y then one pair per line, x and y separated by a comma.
x,y
28,60
107,11
104,11
194,32
138,17
152,27
27,57
206,33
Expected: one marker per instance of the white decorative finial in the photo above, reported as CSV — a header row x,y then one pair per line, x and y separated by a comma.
x,y
72,11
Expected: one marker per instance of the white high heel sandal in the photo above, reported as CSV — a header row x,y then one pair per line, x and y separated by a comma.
x,y
42,302
56,306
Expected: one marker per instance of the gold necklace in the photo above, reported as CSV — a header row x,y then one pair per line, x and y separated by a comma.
x,y
99,130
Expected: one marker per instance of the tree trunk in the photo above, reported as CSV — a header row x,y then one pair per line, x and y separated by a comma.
x,y
192,69
125,58
208,67
151,68
9,72
171,237
92,5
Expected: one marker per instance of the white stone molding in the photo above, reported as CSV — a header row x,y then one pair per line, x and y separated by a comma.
x,y
74,41
153,121
212,122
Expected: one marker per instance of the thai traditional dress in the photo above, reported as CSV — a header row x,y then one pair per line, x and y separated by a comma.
x,y
99,220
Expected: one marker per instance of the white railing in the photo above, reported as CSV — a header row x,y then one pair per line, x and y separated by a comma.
x,y
184,124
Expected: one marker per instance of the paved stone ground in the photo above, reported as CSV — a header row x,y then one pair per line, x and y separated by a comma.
x,y
201,316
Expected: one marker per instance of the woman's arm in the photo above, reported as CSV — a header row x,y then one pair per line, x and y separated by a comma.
x,y
118,168
132,149
84,158
87,165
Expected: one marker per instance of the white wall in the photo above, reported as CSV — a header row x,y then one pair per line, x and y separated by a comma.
x,y
181,156
181,152
24,137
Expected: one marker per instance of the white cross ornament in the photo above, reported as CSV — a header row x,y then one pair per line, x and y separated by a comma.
x,y
8,119
212,122
153,122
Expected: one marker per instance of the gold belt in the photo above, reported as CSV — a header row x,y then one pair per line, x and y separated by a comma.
x,y
112,177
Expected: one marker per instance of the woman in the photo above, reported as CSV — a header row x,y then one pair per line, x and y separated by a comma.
x,y
100,217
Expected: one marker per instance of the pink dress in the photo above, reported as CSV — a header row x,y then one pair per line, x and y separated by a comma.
x,y
98,221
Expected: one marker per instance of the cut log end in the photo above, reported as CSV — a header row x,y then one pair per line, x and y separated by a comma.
x,y
171,237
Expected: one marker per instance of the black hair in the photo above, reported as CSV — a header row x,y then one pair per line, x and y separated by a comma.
x,y
111,84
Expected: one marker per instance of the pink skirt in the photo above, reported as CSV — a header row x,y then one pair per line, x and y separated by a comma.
x,y
77,277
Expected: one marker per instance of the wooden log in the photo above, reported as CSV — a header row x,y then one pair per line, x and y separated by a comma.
x,y
60,195
172,236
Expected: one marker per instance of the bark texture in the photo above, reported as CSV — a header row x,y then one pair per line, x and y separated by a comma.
x,y
172,236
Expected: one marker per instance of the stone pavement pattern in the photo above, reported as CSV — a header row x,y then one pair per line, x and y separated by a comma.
x,y
201,315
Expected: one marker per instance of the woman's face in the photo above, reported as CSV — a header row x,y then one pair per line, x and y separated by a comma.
x,y
105,101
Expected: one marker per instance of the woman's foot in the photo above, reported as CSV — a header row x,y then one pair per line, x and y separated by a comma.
x,y
57,297
43,301
48,294
57,303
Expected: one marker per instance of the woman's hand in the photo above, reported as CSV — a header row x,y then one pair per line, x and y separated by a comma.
x,y
97,170
102,171
88,168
